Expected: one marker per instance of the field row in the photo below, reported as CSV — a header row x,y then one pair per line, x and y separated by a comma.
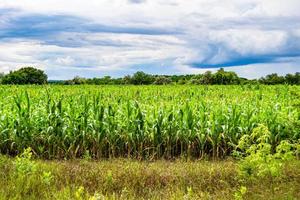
x,y
144,122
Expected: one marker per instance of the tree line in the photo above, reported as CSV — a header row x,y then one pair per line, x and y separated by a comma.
x,y
30,75
221,77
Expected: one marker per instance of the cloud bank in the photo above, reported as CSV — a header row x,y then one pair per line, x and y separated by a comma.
x,y
118,37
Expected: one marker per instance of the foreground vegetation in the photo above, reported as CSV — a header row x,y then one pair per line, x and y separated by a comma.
x,y
127,179
192,142
143,122
257,173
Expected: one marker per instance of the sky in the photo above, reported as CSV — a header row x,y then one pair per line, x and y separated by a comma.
x,y
94,38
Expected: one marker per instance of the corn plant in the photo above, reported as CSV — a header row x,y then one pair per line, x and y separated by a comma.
x,y
143,122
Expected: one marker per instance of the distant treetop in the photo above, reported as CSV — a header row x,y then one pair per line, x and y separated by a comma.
x,y
26,75
30,75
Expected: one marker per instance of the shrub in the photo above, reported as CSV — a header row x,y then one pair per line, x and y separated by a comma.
x,y
258,160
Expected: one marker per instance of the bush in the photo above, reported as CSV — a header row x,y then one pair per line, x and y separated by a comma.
x,y
258,160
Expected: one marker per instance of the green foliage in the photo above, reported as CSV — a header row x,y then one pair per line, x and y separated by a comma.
x,y
109,182
24,165
207,78
221,77
293,79
162,80
26,75
30,75
1,77
144,122
131,179
27,177
239,195
47,178
79,193
259,160
189,194
141,78
260,122
76,81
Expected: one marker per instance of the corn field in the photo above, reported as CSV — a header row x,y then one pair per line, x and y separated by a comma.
x,y
143,122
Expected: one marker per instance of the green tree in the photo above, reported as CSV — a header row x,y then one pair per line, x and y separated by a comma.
x,y
26,75
207,78
1,77
78,80
293,79
223,77
126,79
141,78
162,80
272,79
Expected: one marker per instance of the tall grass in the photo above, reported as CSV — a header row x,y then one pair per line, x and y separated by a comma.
x,y
144,122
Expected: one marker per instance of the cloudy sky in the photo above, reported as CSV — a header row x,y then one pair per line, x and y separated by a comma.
x,y
93,38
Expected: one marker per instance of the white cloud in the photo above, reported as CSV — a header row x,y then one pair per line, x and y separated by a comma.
x,y
209,33
260,70
138,49
253,71
251,41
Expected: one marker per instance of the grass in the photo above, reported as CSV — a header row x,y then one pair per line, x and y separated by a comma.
x,y
131,179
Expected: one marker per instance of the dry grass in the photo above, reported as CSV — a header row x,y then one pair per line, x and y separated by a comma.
x,y
130,179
